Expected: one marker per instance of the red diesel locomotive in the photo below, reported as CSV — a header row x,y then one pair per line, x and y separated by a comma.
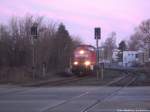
x,y
84,59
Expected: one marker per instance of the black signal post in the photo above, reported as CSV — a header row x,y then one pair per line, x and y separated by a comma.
x,y
34,31
97,34
34,34
97,37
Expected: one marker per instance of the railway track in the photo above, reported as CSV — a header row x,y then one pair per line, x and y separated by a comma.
x,y
72,81
66,81
57,82
122,82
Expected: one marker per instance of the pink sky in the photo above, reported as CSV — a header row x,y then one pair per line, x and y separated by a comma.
x,y
81,16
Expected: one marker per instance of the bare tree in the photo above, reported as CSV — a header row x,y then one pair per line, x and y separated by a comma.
x,y
109,45
141,32
53,46
122,47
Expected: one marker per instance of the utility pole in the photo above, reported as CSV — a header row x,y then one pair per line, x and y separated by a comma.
x,y
34,34
97,37
102,64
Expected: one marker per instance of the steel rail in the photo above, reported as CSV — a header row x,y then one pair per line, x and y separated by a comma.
x,y
88,92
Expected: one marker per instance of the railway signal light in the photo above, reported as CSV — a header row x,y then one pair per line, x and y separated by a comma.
x,y
97,33
34,32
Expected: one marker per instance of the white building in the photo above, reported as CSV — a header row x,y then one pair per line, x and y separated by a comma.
x,y
140,57
129,58
115,55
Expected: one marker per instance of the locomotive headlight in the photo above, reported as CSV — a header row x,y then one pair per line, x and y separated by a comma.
x,y
75,63
87,63
81,52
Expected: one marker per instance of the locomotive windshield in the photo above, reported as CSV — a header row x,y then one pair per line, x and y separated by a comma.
x,y
91,48
81,53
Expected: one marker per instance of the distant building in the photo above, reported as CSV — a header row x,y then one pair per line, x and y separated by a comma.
x,y
140,57
115,55
129,58
101,53
102,57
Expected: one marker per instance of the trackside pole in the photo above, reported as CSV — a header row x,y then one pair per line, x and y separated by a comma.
x,y
97,60
97,37
34,34
102,71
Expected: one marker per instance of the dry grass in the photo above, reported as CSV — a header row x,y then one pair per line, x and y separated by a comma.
x,y
15,75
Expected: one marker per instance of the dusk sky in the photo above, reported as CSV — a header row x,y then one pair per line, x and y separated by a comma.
x,y
81,16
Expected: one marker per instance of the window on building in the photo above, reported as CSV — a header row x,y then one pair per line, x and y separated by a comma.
x,y
136,56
